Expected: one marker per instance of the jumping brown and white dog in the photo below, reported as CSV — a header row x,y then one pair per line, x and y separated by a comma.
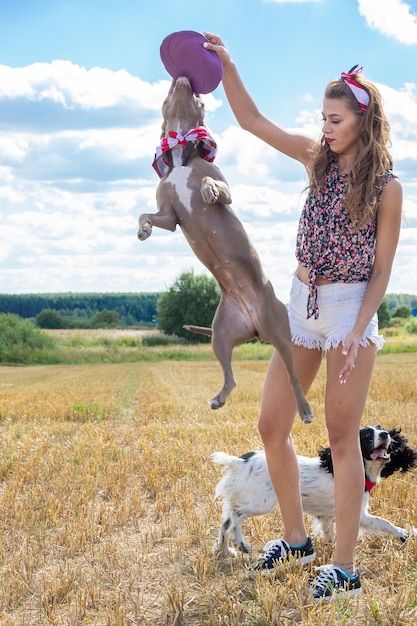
x,y
193,194
246,489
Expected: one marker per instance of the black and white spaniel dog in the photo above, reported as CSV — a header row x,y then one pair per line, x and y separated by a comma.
x,y
246,489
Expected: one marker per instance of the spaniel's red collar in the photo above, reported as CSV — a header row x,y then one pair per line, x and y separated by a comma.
x,y
369,485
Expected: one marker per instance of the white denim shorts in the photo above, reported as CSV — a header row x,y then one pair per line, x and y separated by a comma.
x,y
338,304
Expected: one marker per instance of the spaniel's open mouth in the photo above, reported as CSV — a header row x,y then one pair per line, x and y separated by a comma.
x,y
380,453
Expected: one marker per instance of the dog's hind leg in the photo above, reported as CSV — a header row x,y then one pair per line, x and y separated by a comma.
x,y
223,547
323,526
237,519
223,351
277,331
231,529
303,406
230,329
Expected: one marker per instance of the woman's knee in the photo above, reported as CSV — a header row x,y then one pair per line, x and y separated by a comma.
x,y
274,429
266,429
343,442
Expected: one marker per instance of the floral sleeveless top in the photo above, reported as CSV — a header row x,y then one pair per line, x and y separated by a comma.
x,y
327,243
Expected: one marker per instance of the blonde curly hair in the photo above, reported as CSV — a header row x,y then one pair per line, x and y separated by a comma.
x,y
373,158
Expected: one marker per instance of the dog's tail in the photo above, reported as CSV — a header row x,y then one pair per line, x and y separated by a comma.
x,y
201,330
228,460
232,478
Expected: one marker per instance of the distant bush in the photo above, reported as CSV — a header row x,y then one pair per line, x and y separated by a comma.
x,y
411,326
106,319
20,341
384,316
190,300
161,340
402,311
49,318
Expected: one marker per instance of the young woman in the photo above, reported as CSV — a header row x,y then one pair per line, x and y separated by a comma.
x,y
347,237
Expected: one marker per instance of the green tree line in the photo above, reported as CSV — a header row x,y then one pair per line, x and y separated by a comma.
x,y
397,300
76,309
190,300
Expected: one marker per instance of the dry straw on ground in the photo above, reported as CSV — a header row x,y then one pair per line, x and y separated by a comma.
x,y
106,500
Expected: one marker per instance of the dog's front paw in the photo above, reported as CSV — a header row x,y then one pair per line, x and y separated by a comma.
x,y
145,230
209,191
404,534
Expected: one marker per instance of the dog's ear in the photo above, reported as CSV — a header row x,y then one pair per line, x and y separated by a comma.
x,y
403,458
325,456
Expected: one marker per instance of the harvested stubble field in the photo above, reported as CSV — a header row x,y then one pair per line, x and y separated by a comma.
x,y
106,500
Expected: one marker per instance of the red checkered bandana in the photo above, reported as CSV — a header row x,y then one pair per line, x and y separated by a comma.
x,y
199,134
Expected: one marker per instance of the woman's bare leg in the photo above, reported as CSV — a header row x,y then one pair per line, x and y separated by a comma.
x,y
344,407
278,411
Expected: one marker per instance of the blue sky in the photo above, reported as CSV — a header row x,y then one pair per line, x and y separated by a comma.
x,y
81,86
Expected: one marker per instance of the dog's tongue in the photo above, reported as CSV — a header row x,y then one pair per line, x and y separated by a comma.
x,y
379,453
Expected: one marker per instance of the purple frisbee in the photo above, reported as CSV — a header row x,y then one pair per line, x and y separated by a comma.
x,y
182,54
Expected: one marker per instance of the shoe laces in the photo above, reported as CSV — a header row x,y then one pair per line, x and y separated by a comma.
x,y
327,577
276,551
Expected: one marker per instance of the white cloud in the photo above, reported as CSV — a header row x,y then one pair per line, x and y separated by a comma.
x,y
400,107
71,86
393,18
76,147
263,201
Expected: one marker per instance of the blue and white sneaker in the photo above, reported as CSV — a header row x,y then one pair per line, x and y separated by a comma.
x,y
281,552
333,582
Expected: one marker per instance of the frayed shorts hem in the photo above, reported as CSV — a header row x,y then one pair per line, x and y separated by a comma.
x,y
312,343
339,304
